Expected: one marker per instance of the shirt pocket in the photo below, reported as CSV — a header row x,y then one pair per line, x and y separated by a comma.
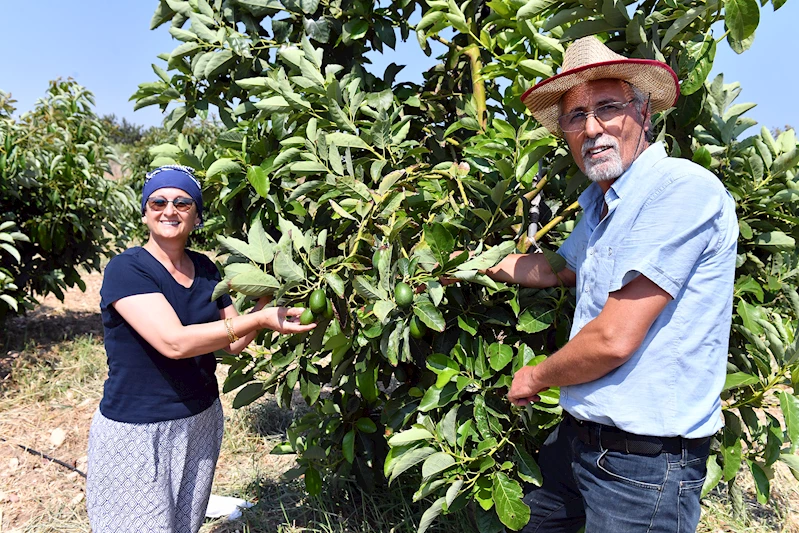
x,y
598,276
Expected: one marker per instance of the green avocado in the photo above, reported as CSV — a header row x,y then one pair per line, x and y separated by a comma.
x,y
306,317
318,302
417,328
403,294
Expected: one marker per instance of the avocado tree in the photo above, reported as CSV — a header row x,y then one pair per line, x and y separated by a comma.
x,y
60,215
349,192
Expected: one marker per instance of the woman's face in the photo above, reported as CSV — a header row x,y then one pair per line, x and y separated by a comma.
x,y
164,219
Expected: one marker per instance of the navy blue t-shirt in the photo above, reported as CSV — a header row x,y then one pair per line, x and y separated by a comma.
x,y
144,386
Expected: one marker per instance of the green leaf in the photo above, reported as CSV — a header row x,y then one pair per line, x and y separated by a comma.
x,y
311,73
792,460
368,290
449,426
696,62
335,282
248,394
499,355
436,397
741,18
358,189
776,239
535,319
286,268
293,233
468,324
713,477
235,246
490,257
222,166
354,30
307,167
790,411
261,247
762,485
512,511
444,367
429,314
749,315
481,416
410,435
273,104
383,308
528,468
218,63
440,241
431,514
702,157
254,283
313,481
532,68
259,181
684,21
732,459
346,140
408,460
348,446
739,379
533,8
162,14
436,463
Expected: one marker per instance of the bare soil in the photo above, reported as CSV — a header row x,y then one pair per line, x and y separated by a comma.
x,y
59,427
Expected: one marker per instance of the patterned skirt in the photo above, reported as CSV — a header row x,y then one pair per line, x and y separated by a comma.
x,y
153,477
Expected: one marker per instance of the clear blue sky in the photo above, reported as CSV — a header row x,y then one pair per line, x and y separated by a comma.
x,y
107,47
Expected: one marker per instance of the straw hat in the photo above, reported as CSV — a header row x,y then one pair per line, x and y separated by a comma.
x,y
588,59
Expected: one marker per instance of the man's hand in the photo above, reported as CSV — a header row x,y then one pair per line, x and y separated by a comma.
x,y
284,320
524,388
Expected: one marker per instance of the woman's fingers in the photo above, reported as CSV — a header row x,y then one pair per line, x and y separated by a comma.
x,y
291,312
288,320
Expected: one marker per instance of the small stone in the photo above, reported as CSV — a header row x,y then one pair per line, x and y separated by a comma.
x,y
57,437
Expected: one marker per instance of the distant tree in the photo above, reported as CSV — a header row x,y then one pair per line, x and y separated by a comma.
x,y
60,215
122,132
776,132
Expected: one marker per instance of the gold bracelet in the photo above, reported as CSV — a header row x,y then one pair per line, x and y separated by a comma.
x,y
231,335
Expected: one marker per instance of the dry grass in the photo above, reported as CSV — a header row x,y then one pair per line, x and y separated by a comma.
x,y
52,366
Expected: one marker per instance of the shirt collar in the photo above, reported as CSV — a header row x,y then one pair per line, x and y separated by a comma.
x,y
589,200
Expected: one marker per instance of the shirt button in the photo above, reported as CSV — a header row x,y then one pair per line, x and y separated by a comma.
x,y
610,251
586,289
590,251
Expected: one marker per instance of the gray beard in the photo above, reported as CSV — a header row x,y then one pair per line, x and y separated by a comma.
x,y
610,167
605,170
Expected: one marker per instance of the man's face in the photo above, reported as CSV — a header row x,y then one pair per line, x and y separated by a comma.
x,y
604,150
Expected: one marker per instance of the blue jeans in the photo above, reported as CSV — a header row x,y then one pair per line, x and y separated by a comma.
x,y
614,492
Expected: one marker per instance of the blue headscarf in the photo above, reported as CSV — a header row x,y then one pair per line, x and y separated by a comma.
x,y
176,176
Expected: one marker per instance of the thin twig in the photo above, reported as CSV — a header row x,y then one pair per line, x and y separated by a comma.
x,y
45,456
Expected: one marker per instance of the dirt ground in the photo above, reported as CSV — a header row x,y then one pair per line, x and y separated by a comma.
x,y
58,428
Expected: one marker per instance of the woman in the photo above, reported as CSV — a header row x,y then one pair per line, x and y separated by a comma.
x,y
155,440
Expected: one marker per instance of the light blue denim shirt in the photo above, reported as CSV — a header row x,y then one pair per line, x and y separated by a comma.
x,y
673,222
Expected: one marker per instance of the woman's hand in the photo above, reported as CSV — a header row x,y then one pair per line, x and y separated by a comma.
x,y
284,320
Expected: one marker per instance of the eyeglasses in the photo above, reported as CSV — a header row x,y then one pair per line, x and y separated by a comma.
x,y
181,203
605,113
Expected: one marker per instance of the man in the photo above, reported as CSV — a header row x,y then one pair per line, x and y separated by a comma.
x,y
653,261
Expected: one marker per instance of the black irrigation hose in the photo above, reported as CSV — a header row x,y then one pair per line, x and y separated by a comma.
x,y
44,455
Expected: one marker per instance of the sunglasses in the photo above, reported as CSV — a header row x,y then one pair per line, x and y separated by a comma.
x,y
181,203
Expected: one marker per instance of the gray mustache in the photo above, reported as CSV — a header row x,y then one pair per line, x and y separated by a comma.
x,y
602,140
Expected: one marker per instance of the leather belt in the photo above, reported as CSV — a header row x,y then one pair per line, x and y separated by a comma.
x,y
613,438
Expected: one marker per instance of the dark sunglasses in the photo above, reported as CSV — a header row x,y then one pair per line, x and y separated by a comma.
x,y
181,203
